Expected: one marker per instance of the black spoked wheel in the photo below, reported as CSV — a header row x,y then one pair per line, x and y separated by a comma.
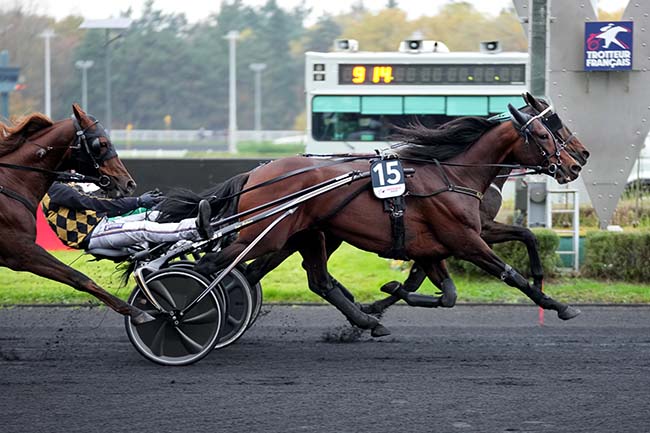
x,y
239,307
172,339
256,291
256,296
239,302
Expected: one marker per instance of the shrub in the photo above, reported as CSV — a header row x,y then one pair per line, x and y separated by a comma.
x,y
617,256
515,254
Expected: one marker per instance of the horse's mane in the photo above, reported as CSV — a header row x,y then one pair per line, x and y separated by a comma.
x,y
444,142
12,137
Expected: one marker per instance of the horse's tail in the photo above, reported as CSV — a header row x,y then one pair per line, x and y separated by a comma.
x,y
182,203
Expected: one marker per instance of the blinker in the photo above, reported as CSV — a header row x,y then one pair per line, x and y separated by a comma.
x,y
552,122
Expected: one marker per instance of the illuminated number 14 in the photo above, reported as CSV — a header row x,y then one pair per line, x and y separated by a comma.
x,y
382,73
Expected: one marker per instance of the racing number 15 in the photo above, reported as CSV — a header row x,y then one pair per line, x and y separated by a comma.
x,y
392,176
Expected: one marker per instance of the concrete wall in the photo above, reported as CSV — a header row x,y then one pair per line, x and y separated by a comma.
x,y
194,174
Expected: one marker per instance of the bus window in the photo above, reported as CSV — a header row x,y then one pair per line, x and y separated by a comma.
x,y
364,127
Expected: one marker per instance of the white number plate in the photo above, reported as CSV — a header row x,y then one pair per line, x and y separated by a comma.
x,y
387,178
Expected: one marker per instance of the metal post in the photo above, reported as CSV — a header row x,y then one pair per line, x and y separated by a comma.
x,y
232,37
84,65
576,231
4,96
109,113
47,35
257,68
537,43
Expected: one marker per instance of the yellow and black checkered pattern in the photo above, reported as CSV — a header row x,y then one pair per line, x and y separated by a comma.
x,y
71,226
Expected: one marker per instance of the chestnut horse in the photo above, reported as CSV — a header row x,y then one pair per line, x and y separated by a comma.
x,y
442,217
33,154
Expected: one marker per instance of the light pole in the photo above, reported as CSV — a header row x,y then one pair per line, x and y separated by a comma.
x,y
257,68
232,37
47,35
108,25
84,65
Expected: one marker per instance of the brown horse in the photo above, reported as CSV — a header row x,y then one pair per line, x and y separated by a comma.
x,y
30,152
442,217
494,232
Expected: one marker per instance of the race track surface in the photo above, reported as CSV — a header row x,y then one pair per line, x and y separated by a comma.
x,y
299,369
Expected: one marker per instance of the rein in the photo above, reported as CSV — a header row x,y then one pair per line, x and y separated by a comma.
x,y
62,176
291,174
346,157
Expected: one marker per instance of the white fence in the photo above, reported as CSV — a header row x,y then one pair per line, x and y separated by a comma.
x,y
199,135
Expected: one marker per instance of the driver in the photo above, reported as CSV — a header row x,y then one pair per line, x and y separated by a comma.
x,y
84,221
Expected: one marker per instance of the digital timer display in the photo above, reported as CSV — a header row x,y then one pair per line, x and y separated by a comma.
x,y
427,74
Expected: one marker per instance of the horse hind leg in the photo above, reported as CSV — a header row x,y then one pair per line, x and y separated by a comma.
x,y
314,256
438,275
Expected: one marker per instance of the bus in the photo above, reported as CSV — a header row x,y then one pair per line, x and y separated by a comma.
x,y
356,99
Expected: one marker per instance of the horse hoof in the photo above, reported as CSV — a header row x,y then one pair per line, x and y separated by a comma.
x,y
448,300
142,318
379,331
568,313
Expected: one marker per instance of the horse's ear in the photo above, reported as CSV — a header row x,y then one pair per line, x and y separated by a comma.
x,y
529,99
519,118
79,114
533,102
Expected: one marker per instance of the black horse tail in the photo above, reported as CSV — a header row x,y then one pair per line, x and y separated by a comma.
x,y
182,203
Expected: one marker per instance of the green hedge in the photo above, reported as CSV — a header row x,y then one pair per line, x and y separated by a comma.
x,y
618,256
516,255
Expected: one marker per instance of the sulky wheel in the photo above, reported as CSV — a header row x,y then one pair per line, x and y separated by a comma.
x,y
239,307
238,300
256,295
170,340
256,291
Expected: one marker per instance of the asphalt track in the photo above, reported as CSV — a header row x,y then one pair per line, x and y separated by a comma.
x,y
299,369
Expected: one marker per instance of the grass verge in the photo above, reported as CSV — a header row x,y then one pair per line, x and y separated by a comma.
x,y
363,273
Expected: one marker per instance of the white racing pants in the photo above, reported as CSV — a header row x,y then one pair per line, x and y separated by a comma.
x,y
138,229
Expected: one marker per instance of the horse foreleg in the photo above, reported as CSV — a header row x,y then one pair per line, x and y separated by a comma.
x,y
38,261
482,256
314,253
494,233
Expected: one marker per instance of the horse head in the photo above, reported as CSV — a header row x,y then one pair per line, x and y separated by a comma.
x,y
562,134
94,153
547,152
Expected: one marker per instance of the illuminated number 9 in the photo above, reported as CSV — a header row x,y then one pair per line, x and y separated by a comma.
x,y
359,74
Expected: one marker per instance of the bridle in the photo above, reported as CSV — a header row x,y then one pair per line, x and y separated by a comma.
x,y
86,147
558,143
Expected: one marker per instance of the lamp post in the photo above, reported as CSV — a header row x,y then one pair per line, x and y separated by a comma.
x,y
84,65
257,68
107,25
232,37
47,35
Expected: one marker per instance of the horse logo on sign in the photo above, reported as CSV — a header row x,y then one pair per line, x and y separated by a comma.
x,y
608,46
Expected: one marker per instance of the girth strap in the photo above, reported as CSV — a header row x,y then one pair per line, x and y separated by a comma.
x,y
13,194
396,206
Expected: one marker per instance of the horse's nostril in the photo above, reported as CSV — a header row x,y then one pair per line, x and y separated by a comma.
x,y
576,168
585,154
130,186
